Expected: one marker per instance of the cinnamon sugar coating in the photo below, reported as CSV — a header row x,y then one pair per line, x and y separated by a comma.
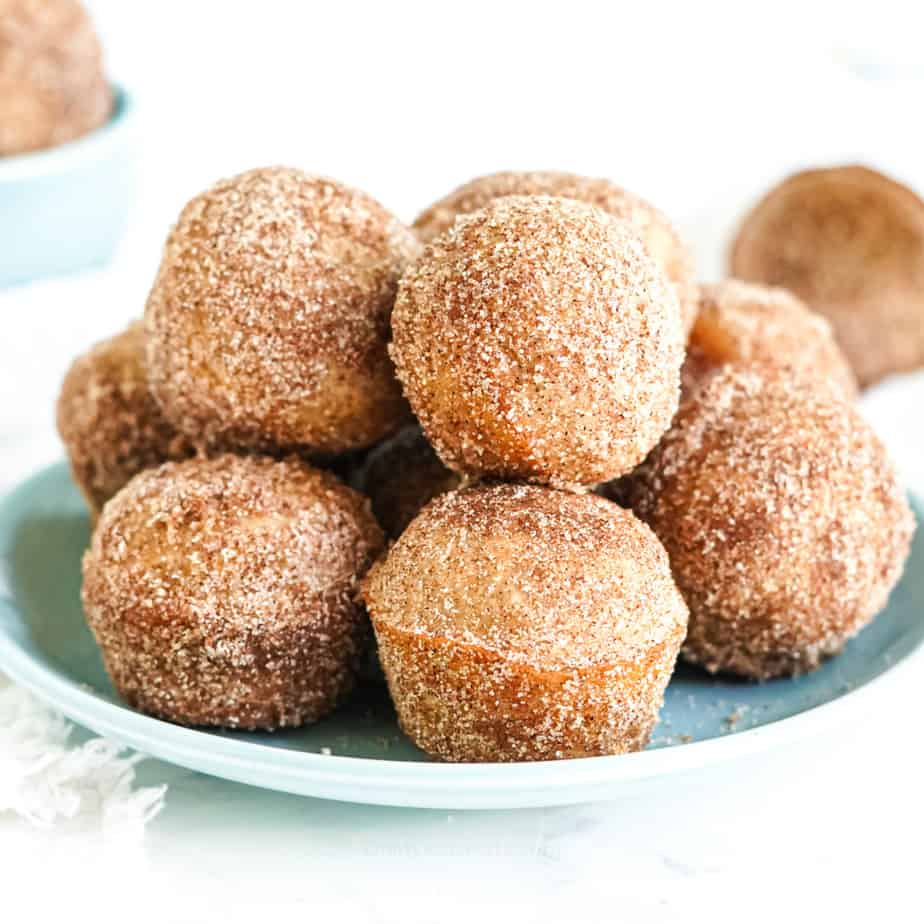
x,y
849,242
224,591
743,322
52,85
269,317
653,226
109,422
400,476
783,518
517,622
538,340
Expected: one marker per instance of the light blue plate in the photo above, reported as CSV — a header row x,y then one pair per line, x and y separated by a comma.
x,y
45,645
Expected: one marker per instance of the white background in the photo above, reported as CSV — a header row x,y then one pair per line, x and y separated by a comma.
x,y
696,106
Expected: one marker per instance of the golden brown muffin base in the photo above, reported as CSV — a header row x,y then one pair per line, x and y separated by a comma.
x,y
304,676
759,652
462,702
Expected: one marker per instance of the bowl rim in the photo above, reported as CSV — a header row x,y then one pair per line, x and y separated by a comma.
x,y
64,157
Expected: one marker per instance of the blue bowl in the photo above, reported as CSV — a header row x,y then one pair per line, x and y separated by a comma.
x,y
64,208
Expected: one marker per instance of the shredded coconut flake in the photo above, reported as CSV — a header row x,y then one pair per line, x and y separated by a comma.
x,y
47,781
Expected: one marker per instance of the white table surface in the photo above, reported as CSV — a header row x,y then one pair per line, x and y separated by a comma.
x,y
407,103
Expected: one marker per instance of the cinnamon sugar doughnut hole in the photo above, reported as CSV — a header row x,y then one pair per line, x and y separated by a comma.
x,y
400,476
783,518
52,85
223,591
537,340
269,317
742,322
653,226
109,422
849,242
516,622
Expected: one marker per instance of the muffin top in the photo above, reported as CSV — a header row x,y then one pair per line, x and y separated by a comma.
x,y
541,576
653,226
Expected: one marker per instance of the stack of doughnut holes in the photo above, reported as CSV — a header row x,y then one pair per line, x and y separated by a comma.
x,y
515,446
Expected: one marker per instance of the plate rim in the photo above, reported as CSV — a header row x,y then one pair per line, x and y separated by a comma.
x,y
424,784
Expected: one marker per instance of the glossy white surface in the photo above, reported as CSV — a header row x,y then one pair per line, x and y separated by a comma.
x,y
696,107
